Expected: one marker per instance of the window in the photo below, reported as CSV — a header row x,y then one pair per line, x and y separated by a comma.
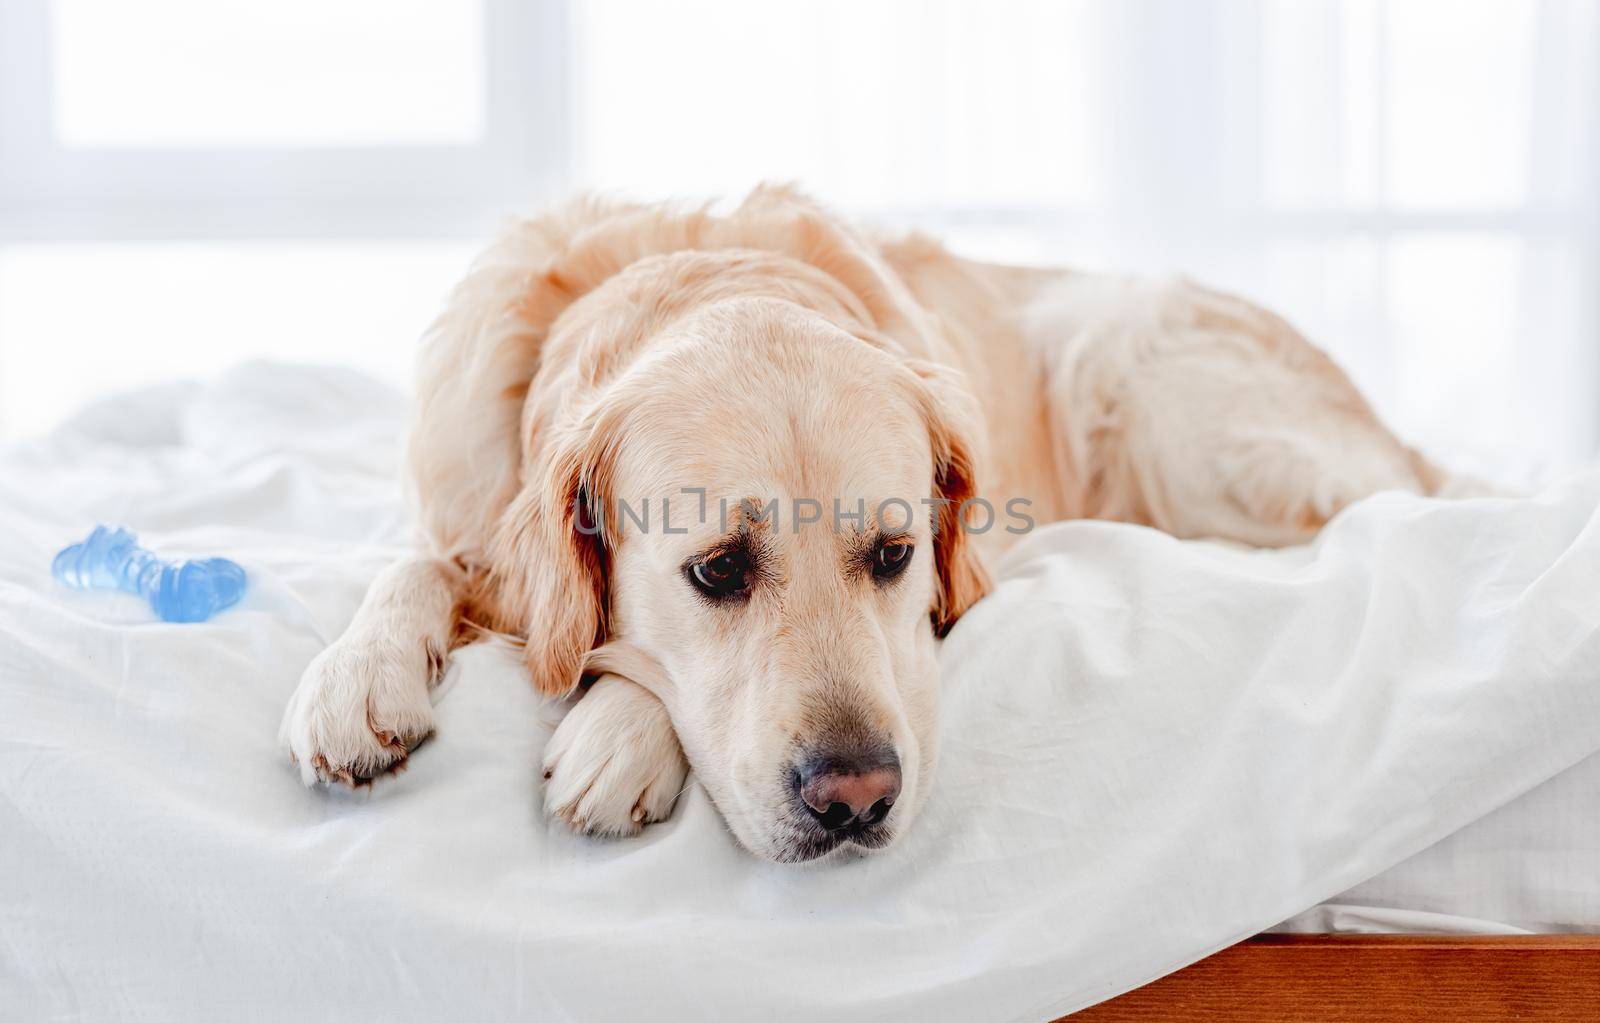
x,y
230,118
1412,183
190,183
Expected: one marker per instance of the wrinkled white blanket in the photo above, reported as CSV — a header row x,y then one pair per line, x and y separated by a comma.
x,y
1152,748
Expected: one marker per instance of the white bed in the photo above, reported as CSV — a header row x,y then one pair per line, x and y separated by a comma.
x,y
1152,749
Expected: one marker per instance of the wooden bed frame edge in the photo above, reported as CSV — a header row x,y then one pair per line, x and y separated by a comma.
x,y
1329,978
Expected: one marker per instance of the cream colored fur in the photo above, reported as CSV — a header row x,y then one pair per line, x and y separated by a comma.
x,y
609,350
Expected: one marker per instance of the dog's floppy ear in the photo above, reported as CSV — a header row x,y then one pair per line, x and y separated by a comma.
x,y
954,429
548,562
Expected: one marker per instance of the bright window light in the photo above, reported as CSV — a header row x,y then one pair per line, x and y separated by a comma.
x,y
899,103
267,73
78,321
1459,91
1411,183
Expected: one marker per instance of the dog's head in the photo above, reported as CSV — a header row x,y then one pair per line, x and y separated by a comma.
x,y
750,504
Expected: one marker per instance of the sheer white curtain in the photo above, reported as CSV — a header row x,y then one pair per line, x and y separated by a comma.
x,y
1412,182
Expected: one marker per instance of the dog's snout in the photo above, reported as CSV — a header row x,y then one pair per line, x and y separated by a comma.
x,y
841,793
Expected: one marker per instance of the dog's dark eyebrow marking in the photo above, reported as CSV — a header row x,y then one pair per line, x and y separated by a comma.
x,y
746,535
861,545
737,539
861,549
749,524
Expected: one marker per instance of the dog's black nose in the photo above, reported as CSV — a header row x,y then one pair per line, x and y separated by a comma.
x,y
842,793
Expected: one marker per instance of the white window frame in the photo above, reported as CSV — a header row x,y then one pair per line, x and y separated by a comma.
x,y
49,192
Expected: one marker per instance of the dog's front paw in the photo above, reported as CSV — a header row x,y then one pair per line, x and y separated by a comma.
x,y
614,763
361,708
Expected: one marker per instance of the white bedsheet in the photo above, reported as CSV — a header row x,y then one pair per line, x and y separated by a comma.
x,y
1152,749
1530,867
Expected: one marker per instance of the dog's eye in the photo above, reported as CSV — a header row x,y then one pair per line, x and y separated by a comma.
x,y
892,559
722,576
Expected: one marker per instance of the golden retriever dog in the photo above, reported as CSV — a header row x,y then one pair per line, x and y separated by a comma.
x,y
732,475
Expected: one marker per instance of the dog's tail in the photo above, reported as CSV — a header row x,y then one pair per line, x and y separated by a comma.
x,y
1440,482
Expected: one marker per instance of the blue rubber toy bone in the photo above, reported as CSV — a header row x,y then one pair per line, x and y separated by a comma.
x,y
178,591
